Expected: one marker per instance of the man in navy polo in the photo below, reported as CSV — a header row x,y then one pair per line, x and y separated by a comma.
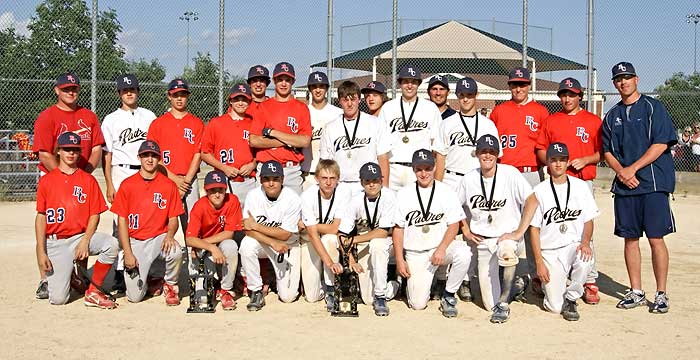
x,y
638,135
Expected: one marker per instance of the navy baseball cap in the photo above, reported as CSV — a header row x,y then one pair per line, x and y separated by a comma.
x,y
240,89
271,168
283,68
149,147
570,84
317,78
519,74
487,142
410,72
127,81
370,171
423,157
67,79
623,68
374,86
258,71
68,140
438,79
178,85
215,179
466,85
557,149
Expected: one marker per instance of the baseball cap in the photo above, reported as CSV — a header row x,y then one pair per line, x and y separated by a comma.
x,y
466,85
519,74
178,85
557,149
423,157
283,68
410,72
374,86
271,168
127,81
623,68
487,142
67,79
68,140
240,89
215,179
438,79
259,71
317,78
569,84
149,147
370,171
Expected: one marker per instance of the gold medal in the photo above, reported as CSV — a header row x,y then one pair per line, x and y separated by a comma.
x,y
405,139
490,219
426,229
563,228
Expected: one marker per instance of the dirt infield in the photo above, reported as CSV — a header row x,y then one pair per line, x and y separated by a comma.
x,y
31,328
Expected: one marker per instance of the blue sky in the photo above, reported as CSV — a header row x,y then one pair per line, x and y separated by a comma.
x,y
653,35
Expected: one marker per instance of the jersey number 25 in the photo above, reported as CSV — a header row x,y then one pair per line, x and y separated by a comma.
x,y
509,141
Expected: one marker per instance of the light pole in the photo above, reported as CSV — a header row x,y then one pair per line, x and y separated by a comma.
x,y
694,18
189,16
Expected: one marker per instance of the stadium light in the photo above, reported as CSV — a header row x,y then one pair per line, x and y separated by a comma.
x,y
189,16
694,18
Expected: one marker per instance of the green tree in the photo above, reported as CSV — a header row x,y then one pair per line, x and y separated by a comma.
x,y
681,96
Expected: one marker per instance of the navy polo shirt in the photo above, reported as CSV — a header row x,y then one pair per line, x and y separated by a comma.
x,y
447,113
628,131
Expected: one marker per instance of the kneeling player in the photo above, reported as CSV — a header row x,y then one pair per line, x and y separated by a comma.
x,y
68,205
148,205
213,221
427,218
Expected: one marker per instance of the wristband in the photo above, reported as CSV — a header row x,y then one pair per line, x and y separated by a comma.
x,y
266,132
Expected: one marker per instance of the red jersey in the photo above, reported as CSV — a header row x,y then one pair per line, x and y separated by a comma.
x,y
581,133
147,204
179,140
253,108
291,117
68,201
205,221
227,140
54,121
519,126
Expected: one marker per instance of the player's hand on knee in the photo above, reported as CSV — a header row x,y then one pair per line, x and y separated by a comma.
x,y
44,262
356,267
217,255
130,261
280,246
515,236
336,268
169,244
585,252
542,272
402,268
82,251
438,257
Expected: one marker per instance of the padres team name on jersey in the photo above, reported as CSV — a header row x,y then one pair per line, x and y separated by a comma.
x,y
262,220
316,133
415,217
343,143
396,124
558,216
461,139
481,203
129,135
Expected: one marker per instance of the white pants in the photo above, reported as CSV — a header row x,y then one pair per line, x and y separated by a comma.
x,y
533,178
312,266
225,272
374,258
400,176
292,177
286,272
61,253
422,272
241,189
560,262
146,252
489,280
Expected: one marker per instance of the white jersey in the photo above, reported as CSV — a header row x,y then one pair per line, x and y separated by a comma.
x,y
282,213
310,213
444,210
550,220
506,205
319,119
124,131
457,145
371,140
356,214
420,131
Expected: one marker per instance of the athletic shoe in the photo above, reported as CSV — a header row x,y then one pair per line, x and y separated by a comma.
x,y
520,287
119,285
257,300
536,284
590,294
631,300
171,293
155,286
465,292
42,292
380,307
570,311
448,306
225,297
660,305
330,299
437,289
501,313
392,288
96,298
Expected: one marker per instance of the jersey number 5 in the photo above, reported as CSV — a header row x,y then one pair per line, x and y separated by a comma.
x,y
54,216
166,157
226,156
133,221
509,141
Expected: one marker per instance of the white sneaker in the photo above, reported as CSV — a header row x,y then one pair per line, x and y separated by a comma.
x,y
392,288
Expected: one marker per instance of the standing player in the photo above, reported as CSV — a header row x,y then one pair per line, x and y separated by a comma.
x,y
69,203
494,194
148,205
66,115
225,143
258,80
427,218
375,97
637,136
580,131
213,221
413,124
282,128
438,91
271,224
179,134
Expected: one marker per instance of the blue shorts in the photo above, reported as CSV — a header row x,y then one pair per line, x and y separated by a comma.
x,y
649,213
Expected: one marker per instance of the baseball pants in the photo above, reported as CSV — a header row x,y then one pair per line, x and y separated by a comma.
x,y
422,272
146,252
489,279
226,272
312,266
292,177
241,189
287,272
61,252
400,176
374,258
593,274
533,178
453,181
119,174
560,262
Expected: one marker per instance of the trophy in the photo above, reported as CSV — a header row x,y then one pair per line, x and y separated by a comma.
x,y
347,284
201,288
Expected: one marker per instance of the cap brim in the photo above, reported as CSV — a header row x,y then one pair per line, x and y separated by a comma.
x,y
175,91
63,86
519,80
623,73
247,96
573,90
284,73
149,152
366,90
215,186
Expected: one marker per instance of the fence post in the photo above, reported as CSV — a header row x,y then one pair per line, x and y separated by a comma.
x,y
93,61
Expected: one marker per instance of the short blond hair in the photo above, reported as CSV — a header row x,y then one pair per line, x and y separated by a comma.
x,y
328,165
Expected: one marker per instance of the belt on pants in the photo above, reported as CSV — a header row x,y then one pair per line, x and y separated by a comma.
x,y
290,164
58,237
127,166
403,163
527,169
454,172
